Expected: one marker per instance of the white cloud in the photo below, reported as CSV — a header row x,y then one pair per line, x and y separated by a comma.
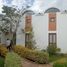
x,y
21,3
51,3
18,3
1,5
42,5
38,6
63,4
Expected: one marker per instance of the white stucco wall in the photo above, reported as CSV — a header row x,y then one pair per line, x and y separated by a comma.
x,y
40,28
62,32
20,38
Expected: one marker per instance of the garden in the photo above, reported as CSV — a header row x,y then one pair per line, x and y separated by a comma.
x,y
14,58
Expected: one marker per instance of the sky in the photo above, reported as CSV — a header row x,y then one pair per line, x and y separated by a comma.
x,y
36,5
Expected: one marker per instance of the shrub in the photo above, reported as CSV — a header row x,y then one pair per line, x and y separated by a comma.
x,y
36,56
3,50
52,49
12,60
61,63
43,50
30,43
1,62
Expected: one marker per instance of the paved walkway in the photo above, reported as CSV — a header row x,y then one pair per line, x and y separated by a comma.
x,y
27,63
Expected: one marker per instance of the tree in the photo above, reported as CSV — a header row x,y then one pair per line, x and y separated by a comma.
x,y
4,25
14,16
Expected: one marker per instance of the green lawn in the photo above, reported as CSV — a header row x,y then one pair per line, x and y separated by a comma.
x,y
58,60
54,58
1,62
60,63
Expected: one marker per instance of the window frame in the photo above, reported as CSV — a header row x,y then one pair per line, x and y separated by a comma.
x,y
27,37
54,41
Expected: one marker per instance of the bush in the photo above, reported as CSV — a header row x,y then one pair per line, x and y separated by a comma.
x,y
61,63
52,49
3,50
1,62
12,60
36,56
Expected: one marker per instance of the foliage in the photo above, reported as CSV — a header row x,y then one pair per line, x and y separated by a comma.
x,y
4,25
44,50
52,49
1,62
61,63
31,42
36,56
14,16
3,51
9,18
8,10
12,60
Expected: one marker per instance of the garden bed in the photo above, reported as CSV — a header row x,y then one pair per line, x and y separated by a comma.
x,y
35,56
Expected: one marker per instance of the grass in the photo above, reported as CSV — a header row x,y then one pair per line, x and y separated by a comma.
x,y
1,62
53,58
58,60
60,63
12,60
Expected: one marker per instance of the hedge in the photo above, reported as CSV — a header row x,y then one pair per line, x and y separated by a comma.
x,y
12,60
36,56
3,50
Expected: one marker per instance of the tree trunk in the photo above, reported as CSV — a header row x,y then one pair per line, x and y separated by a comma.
x,y
14,38
13,41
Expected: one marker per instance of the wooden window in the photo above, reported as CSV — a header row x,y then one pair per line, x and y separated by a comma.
x,y
0,40
27,37
52,22
52,38
28,20
52,19
0,37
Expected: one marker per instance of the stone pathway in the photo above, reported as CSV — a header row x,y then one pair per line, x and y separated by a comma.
x,y
27,63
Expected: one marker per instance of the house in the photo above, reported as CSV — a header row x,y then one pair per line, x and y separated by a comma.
x,y
49,27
